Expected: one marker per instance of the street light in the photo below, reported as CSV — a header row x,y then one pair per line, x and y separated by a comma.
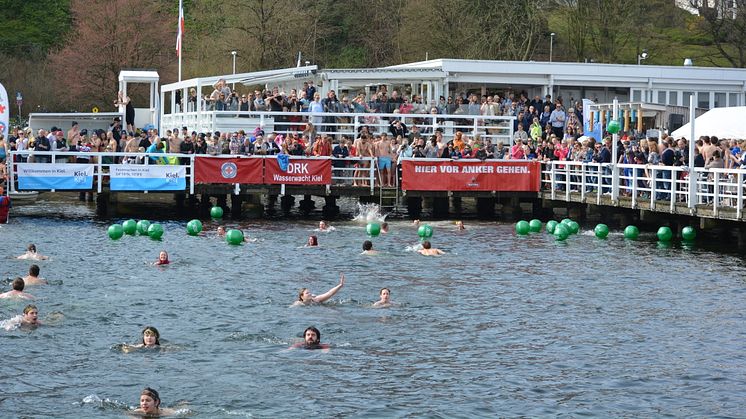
x,y
551,45
642,56
233,53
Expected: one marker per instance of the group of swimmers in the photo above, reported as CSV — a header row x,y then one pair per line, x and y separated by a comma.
x,y
150,402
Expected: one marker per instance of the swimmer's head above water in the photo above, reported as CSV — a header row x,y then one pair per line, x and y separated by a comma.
x,y
367,245
151,337
305,296
150,401
30,314
322,225
311,337
385,294
31,248
163,258
426,244
18,284
221,231
312,241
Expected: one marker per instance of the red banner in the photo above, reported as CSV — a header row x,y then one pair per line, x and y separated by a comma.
x,y
488,175
228,170
300,171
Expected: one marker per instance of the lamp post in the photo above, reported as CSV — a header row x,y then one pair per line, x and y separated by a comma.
x,y
642,56
551,45
233,53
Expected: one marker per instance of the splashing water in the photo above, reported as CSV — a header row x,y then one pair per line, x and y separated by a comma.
x,y
367,213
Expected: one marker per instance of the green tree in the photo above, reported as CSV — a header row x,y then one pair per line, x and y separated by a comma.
x,y
33,26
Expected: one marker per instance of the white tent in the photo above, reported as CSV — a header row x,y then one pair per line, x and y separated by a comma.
x,y
721,122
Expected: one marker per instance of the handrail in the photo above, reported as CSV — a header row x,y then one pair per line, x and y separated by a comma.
x,y
340,173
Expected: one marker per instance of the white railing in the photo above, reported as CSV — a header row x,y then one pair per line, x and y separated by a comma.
x,y
496,128
350,171
662,187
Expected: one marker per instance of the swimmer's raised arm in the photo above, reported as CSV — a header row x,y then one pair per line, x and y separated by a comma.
x,y
329,294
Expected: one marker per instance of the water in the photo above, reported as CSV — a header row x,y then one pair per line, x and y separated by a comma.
x,y
500,326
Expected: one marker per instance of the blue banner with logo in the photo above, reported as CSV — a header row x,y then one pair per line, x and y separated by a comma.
x,y
48,176
136,177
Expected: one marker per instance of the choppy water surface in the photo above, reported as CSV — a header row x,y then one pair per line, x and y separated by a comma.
x,y
500,326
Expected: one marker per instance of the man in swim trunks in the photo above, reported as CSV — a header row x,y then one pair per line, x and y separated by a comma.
x,y
31,254
33,276
428,250
17,291
382,149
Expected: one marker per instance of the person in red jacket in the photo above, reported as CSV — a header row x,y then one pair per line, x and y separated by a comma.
x,y
4,206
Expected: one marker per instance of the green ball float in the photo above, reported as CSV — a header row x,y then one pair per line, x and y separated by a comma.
x,y
522,227
631,232
613,126
425,231
601,231
688,233
561,232
665,234
216,212
551,224
566,221
573,226
534,225
142,227
130,227
373,229
234,237
194,227
155,231
115,231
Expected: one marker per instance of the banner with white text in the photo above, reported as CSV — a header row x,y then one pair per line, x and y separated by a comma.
x,y
137,177
49,176
470,175
299,171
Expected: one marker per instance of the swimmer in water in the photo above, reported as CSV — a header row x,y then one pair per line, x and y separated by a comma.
x,y
384,227
429,250
221,231
312,340
150,404
368,248
323,226
306,298
460,225
33,276
385,293
31,254
29,319
150,340
17,291
163,258
313,241
416,223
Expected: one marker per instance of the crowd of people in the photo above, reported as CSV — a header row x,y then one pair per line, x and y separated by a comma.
x,y
544,130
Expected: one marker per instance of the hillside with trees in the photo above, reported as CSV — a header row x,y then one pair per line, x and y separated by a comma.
x,y
65,54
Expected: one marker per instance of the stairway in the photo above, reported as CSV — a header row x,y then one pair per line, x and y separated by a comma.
x,y
388,199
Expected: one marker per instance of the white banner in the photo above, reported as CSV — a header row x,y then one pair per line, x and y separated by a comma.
x,y
4,112
138,177
58,176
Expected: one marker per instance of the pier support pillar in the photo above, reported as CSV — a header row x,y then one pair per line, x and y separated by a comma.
x,y
440,207
457,205
179,198
486,207
236,205
102,203
414,207
271,202
223,202
286,203
331,209
307,205
204,205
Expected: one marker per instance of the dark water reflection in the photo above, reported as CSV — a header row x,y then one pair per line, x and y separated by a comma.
x,y
500,326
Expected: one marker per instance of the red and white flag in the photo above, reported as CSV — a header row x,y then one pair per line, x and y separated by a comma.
x,y
180,30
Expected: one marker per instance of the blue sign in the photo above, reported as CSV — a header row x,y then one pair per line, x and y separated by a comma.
x,y
48,176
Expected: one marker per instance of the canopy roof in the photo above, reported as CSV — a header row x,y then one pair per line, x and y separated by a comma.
x,y
720,122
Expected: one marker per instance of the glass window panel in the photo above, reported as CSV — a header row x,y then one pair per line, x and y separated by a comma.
x,y
703,100
719,100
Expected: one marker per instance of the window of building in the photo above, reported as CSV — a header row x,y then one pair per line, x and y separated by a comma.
x,y
703,100
719,100
673,98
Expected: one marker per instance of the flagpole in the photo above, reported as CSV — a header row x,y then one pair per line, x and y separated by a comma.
x,y
180,34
